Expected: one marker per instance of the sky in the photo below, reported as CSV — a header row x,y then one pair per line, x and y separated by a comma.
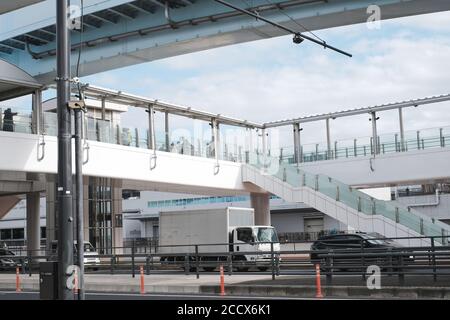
x,y
274,79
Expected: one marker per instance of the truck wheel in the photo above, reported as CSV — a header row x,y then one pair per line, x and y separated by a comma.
x,y
263,268
243,269
209,269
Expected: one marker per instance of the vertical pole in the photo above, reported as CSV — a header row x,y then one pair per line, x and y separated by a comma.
x,y
142,285
151,128
397,148
355,148
79,199
64,194
318,284
272,260
37,112
264,146
18,289
197,263
136,137
418,140
133,248
327,121
247,144
222,281
433,250
296,143
335,150
215,138
441,138
166,130
104,108
374,134
402,131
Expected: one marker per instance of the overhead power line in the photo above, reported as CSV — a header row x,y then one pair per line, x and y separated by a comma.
x,y
298,37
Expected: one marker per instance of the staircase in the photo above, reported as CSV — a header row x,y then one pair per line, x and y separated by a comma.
x,y
343,203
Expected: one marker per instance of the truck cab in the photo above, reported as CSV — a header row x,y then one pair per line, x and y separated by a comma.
x,y
260,239
91,258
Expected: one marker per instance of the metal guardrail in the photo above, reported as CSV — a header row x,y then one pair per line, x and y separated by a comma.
x,y
432,260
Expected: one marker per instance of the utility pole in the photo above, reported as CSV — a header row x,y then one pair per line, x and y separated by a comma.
x,y
79,199
64,189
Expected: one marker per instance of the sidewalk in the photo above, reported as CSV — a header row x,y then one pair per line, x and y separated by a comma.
x,y
156,283
252,285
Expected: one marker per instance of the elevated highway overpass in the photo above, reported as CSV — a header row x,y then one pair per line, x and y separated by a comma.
x,y
120,33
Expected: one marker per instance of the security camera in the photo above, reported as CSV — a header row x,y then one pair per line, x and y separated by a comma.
x,y
297,38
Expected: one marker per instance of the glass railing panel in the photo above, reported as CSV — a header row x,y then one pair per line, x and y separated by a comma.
x,y
15,119
326,187
127,137
365,205
310,180
50,123
143,138
92,132
105,131
409,220
293,177
431,229
21,123
385,209
347,197
445,136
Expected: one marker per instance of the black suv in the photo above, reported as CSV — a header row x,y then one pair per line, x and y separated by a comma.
x,y
346,251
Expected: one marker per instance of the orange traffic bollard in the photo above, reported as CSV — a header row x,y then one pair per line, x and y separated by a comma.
x,y
142,280
75,287
222,282
18,280
318,286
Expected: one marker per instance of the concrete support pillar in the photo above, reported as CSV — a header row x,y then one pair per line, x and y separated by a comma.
x,y
261,203
33,222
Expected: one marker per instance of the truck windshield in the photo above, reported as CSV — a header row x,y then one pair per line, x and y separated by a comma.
x,y
266,235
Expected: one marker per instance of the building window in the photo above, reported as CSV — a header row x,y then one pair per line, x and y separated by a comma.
x,y
18,233
5,234
43,232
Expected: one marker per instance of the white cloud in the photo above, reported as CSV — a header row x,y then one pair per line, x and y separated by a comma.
x,y
269,80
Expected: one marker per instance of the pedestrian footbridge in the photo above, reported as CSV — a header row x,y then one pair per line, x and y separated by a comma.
x,y
137,158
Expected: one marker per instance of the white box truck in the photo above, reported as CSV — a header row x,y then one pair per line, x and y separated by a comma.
x,y
215,233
